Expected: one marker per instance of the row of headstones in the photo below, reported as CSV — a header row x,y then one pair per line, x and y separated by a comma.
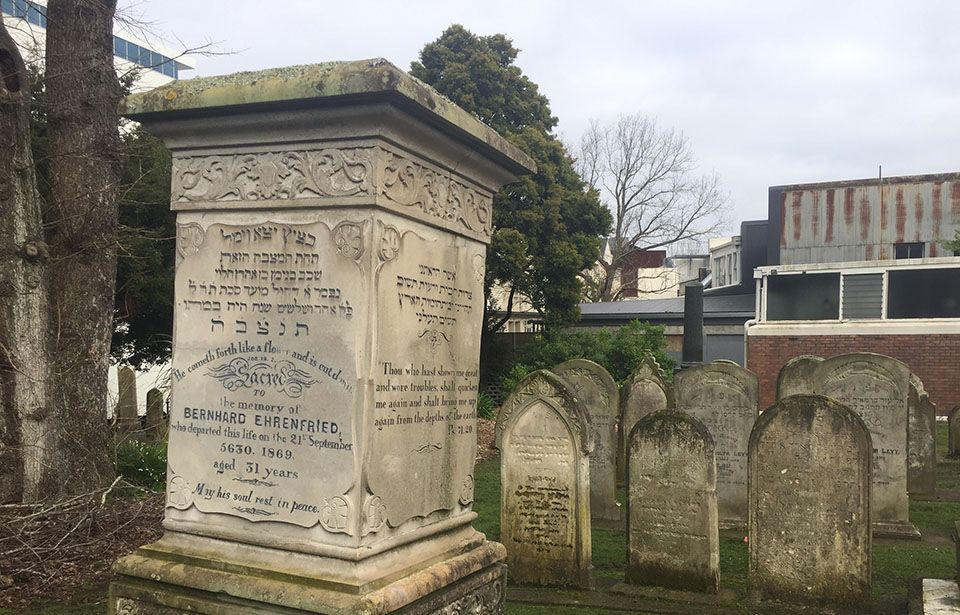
x,y
127,424
675,458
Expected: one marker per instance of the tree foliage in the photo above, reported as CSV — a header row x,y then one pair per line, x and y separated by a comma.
x,y
547,226
648,177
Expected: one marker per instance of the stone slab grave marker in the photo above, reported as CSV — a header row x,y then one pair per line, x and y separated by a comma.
x,y
126,419
544,436
810,482
156,427
332,224
672,524
795,376
646,391
953,433
921,441
594,386
723,396
877,388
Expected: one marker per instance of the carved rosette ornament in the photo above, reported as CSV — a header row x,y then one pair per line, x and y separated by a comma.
x,y
179,493
348,237
189,239
374,514
466,491
485,600
389,243
126,606
479,267
335,515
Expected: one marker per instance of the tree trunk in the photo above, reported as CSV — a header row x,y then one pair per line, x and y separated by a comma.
x,y
23,289
85,170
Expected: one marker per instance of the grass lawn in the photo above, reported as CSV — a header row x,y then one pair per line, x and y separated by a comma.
x,y
894,562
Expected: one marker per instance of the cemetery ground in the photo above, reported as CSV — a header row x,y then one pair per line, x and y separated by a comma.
x,y
59,563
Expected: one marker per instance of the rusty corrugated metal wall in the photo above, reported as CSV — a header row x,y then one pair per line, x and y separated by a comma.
x,y
863,220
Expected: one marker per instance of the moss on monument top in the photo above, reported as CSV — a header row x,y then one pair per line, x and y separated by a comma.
x,y
310,84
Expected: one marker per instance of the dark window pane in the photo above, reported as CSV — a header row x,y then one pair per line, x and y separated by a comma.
x,y
908,250
924,293
808,296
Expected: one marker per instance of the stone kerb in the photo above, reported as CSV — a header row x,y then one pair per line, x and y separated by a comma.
x,y
795,376
672,524
810,483
877,388
646,390
544,436
332,224
595,388
953,433
723,396
921,440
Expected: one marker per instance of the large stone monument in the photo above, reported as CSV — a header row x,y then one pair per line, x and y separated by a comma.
x,y
672,526
595,388
332,223
877,388
723,396
646,391
921,441
544,436
810,479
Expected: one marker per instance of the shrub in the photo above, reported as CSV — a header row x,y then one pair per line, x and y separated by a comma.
x,y
485,406
143,464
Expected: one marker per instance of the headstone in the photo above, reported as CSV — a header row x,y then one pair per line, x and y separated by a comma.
x,y
155,423
876,388
596,389
672,526
921,441
810,481
127,419
724,398
332,224
795,376
646,391
544,437
953,433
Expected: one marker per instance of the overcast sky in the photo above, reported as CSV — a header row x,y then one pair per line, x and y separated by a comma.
x,y
767,92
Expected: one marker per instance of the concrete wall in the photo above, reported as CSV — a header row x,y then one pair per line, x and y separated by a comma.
x,y
933,357
861,220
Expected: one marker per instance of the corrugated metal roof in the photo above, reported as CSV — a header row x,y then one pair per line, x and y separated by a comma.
x,y
733,305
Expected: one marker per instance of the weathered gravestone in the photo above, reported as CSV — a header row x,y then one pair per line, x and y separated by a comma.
x,y
810,482
544,436
877,388
672,525
598,392
126,418
645,392
953,433
723,396
794,377
332,223
156,427
921,440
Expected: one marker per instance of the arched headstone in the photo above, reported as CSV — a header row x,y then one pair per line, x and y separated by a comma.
x,y
544,436
724,398
595,388
672,525
877,388
921,441
810,482
794,377
156,427
646,391
126,419
953,433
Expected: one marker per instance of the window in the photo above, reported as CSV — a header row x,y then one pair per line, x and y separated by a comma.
x,y
863,295
908,250
923,293
808,296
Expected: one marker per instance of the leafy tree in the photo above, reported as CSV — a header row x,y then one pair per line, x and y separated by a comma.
x,y
952,244
547,226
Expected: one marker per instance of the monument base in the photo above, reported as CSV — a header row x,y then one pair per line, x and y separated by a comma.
x,y
901,529
156,581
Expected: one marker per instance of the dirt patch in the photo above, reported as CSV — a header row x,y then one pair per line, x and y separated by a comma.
x,y
57,553
486,430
